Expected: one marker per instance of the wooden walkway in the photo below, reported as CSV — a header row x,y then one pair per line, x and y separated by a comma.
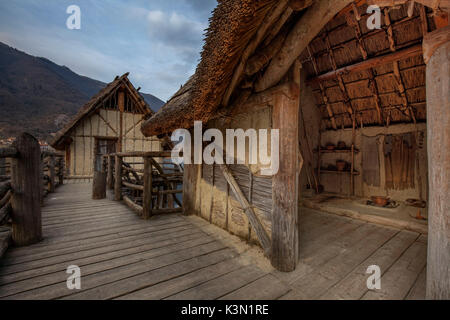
x,y
177,257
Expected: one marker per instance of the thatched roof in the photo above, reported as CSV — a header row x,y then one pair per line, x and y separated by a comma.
x,y
234,24
94,103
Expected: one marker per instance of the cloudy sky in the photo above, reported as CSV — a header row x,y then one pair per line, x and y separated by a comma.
x,y
157,41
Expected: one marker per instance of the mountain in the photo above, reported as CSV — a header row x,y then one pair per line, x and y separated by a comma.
x,y
41,96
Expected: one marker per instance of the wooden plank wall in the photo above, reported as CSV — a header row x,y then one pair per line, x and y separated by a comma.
x,y
106,125
214,200
220,207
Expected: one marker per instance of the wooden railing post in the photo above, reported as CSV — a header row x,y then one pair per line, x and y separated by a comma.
x,y
118,179
99,182
51,174
147,196
110,175
60,171
26,185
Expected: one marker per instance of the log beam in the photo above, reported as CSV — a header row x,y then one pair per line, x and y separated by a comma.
x,y
285,237
268,21
299,5
370,63
322,90
147,189
306,29
438,135
261,233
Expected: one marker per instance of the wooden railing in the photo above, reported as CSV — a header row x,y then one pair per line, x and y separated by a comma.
x,y
148,185
29,176
52,171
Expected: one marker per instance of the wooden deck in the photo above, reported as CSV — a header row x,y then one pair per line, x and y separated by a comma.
x,y
177,257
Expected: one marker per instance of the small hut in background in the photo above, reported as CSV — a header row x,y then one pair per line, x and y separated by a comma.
x,y
375,99
109,122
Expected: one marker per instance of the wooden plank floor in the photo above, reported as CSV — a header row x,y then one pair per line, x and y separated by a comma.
x,y
176,257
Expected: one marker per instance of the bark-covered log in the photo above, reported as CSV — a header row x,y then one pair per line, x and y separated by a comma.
x,y
26,184
308,26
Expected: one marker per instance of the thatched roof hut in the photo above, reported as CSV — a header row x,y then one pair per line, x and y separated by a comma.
x,y
241,50
320,71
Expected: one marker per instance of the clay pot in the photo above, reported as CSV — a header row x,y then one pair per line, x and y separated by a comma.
x,y
341,164
380,200
330,146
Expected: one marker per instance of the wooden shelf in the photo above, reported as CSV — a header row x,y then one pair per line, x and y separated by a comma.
x,y
355,173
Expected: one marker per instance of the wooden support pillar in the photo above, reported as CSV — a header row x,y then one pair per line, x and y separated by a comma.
x,y
51,174
118,179
285,117
148,188
437,56
190,178
110,173
26,185
99,181
121,105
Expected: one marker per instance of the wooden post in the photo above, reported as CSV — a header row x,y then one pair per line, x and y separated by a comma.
x,y
118,179
110,175
60,171
190,178
437,55
121,105
26,184
285,118
147,194
99,181
51,173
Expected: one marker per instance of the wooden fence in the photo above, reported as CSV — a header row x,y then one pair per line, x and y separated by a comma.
x,y
30,176
148,185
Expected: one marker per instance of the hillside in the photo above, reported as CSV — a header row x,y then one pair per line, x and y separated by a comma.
x,y
40,95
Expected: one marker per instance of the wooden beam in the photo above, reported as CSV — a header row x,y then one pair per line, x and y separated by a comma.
x,y
423,19
322,90
133,206
438,137
107,123
285,237
396,68
147,189
261,233
433,41
434,4
274,31
118,179
262,57
352,21
370,63
299,5
341,83
121,105
268,21
110,174
306,29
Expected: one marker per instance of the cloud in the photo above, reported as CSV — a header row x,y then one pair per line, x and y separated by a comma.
x,y
174,29
203,7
